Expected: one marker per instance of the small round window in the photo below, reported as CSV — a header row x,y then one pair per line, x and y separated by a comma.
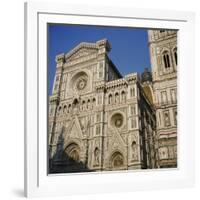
x,y
117,120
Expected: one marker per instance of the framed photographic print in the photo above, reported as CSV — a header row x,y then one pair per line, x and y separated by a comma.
x,y
109,99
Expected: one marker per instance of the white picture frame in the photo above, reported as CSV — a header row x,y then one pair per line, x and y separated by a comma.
x,y
37,182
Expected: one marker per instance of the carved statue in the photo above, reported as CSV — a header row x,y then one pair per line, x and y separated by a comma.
x,y
96,156
134,151
167,120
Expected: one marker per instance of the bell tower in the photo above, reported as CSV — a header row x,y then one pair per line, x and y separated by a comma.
x,y
164,61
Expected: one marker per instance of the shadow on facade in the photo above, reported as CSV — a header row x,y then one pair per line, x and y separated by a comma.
x,y
61,162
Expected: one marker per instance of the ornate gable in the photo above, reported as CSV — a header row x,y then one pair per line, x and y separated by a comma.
x,y
116,141
82,50
74,130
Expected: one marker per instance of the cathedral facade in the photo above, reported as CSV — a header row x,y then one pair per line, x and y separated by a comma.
x,y
101,121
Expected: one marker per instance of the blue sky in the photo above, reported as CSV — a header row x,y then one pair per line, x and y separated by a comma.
x,y
130,52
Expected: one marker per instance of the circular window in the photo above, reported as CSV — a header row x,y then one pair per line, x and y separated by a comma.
x,y
81,83
117,120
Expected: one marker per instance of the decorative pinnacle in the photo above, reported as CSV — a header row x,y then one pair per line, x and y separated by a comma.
x,y
60,58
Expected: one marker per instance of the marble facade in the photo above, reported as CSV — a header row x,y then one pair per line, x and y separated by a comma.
x,y
101,121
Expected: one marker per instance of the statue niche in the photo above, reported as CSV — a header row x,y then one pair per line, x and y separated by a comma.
x,y
134,150
96,156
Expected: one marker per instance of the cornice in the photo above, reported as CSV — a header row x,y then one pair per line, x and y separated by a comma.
x,y
116,83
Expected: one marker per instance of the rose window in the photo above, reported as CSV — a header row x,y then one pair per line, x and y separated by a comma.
x,y
81,84
117,120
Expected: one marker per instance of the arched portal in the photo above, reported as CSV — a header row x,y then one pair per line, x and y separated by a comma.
x,y
117,160
72,152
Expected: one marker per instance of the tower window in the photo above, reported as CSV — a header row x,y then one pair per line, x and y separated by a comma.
x,y
110,99
166,59
132,90
175,55
123,96
116,98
